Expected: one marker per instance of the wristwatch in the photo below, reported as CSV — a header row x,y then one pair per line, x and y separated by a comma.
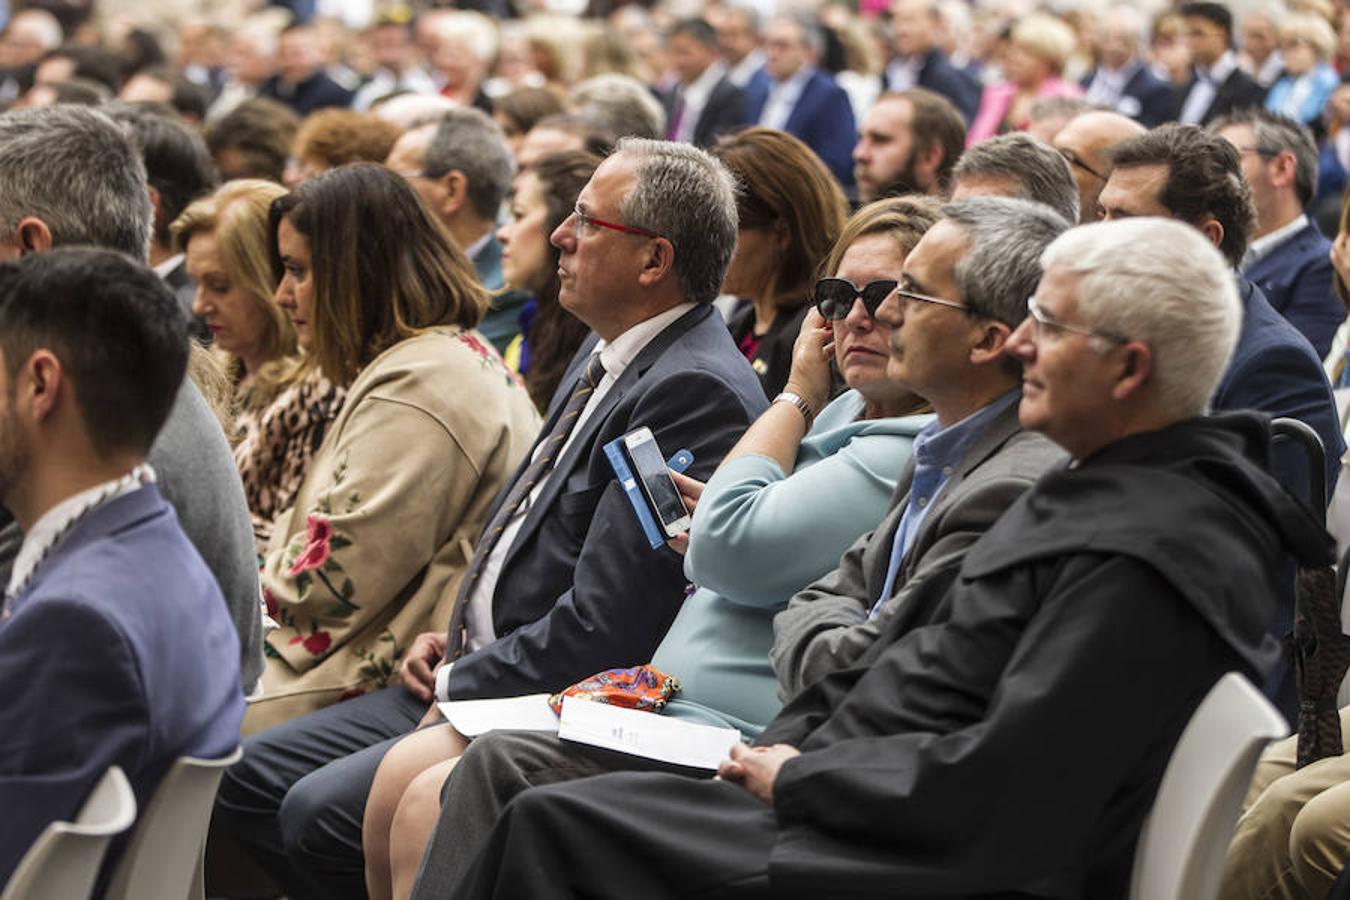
x,y
797,401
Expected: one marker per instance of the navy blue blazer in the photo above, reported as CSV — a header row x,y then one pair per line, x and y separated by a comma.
x,y
1146,98
937,74
1274,370
823,120
1296,279
580,589
756,94
120,652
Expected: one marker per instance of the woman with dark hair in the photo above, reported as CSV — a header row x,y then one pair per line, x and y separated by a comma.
x,y
791,212
433,424
541,198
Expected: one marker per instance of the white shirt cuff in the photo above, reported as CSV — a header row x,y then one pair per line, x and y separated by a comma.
x,y
443,682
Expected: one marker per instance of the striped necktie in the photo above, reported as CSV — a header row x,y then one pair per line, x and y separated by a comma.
x,y
548,450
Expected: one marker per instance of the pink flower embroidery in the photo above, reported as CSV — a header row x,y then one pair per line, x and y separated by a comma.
x,y
316,550
476,345
271,603
316,643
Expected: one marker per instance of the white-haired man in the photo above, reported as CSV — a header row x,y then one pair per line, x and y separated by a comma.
x,y
951,759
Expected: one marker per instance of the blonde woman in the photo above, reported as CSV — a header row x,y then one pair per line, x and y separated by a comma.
x,y
1039,48
1307,42
282,406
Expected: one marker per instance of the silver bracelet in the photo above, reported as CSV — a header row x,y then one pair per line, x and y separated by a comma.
x,y
796,400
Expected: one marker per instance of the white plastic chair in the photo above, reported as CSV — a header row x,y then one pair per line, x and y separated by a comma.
x,y
164,859
63,862
1185,837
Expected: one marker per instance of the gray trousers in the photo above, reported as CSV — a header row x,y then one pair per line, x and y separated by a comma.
x,y
496,767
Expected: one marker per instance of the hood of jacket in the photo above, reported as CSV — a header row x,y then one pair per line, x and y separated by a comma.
x,y
1195,501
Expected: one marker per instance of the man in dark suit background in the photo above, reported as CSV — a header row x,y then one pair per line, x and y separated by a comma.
x,y
1123,81
1288,257
1217,86
563,583
704,105
1186,173
804,101
115,646
301,82
919,62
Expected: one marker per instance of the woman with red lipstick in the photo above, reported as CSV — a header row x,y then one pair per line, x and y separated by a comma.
x,y
372,550
791,211
282,405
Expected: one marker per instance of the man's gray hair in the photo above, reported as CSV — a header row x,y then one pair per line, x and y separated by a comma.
x,y
1002,266
1161,282
689,198
77,171
621,104
1040,173
813,35
1273,134
468,141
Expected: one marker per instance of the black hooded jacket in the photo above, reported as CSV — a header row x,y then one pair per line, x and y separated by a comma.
x,y
1007,733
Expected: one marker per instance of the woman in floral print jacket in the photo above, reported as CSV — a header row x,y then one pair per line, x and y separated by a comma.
x,y
433,425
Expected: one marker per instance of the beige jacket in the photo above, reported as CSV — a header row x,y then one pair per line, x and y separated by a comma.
x,y
384,524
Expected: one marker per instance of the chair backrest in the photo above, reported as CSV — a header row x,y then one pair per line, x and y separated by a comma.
x,y
63,862
1185,837
163,860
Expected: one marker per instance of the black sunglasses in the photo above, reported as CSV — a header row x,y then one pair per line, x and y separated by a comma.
x,y
834,296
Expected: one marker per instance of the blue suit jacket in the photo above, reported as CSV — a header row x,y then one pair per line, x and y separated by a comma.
x,y
1274,370
1146,98
756,94
120,652
823,120
1296,279
937,74
580,589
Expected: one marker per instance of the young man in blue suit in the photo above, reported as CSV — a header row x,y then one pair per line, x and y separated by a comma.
x,y
1184,172
563,582
115,645
1289,256
802,100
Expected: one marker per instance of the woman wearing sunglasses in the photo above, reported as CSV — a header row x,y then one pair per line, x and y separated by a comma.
x,y
790,211
759,536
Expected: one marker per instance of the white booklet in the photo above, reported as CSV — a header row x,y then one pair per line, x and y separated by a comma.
x,y
474,717
646,734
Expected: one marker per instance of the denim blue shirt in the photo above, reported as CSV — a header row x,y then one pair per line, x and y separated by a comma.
x,y
937,450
